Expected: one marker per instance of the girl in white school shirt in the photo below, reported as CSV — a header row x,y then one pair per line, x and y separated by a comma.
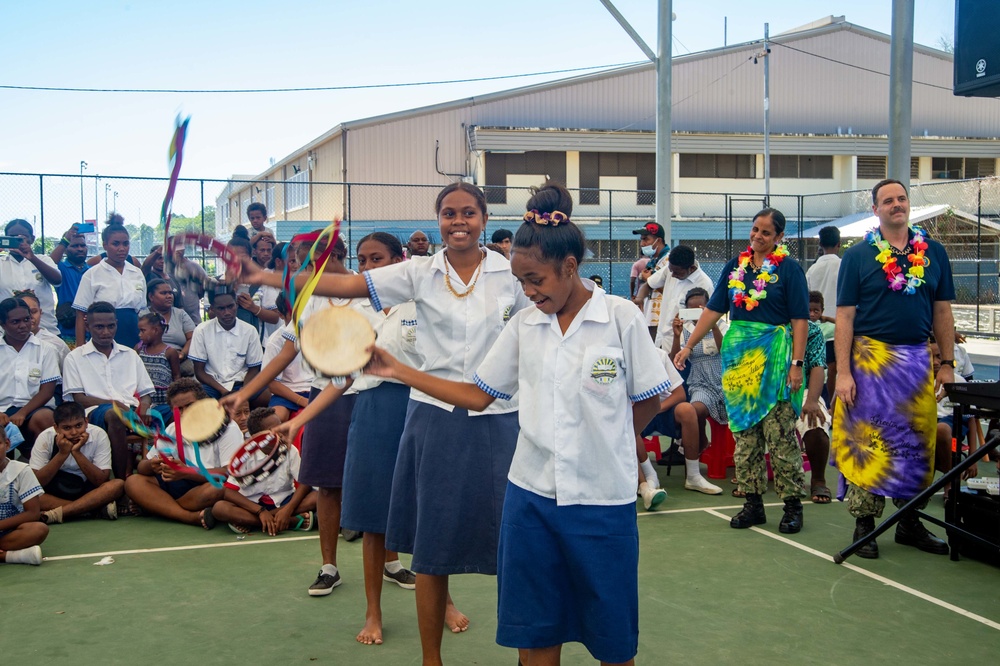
x,y
447,495
569,549
117,281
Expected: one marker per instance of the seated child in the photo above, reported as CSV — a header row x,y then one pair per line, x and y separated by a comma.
x,y
30,372
290,389
102,372
945,426
241,417
226,351
72,461
44,335
21,533
162,361
273,504
813,425
827,326
185,496
649,485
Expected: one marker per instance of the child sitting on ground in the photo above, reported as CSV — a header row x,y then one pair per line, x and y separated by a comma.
x,y
21,533
275,503
945,426
241,417
72,461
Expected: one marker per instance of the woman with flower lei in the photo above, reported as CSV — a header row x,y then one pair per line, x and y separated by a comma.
x,y
764,291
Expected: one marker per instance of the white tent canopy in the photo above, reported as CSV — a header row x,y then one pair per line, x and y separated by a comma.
x,y
858,224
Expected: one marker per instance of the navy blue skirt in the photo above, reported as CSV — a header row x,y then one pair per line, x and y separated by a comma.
x,y
568,574
372,445
324,444
128,327
448,489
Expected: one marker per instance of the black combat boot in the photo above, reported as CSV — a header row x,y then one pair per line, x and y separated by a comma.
x,y
752,513
911,532
791,522
862,528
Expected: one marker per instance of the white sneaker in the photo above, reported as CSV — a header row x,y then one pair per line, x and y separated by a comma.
x,y
32,555
702,485
651,497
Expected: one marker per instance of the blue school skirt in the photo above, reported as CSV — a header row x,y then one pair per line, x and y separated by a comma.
x,y
324,444
448,489
128,327
372,445
568,574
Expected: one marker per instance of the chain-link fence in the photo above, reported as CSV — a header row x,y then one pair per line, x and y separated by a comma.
x,y
964,215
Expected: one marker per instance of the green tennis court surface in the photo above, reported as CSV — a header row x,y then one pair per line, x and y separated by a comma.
x,y
708,595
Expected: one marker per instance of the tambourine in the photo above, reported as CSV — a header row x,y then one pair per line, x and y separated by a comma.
x,y
225,253
258,458
335,341
204,421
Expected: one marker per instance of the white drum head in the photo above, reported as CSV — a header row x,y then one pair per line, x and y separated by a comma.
x,y
334,341
203,421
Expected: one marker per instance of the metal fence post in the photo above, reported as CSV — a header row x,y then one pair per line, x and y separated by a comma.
x,y
979,247
611,243
41,210
347,215
802,238
202,188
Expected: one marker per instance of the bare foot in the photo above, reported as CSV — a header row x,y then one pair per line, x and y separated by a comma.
x,y
371,634
455,619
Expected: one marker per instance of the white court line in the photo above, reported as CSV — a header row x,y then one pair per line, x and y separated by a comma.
x,y
874,576
170,549
700,509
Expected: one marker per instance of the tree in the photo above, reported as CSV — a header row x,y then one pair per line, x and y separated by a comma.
x,y
946,43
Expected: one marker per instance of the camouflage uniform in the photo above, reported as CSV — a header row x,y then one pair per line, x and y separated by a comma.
x,y
775,433
862,503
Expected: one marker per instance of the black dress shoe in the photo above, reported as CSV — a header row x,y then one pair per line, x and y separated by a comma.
x,y
752,514
913,533
862,528
791,522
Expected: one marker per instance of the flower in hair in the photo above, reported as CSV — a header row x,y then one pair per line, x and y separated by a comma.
x,y
555,218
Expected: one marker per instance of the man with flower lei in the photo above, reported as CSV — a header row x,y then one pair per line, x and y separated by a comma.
x,y
893,291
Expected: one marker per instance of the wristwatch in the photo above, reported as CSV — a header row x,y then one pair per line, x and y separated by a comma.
x,y
950,362
798,363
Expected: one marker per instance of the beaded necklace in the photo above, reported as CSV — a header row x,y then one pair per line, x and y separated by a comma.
x,y
737,286
475,278
887,257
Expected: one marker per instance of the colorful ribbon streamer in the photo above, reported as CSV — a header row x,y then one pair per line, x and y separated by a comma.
x,y
298,299
175,156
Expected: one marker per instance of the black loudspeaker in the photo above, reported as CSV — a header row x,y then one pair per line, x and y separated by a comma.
x,y
977,49
980,514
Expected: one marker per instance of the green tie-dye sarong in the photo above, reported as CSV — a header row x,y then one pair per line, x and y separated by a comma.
x,y
755,362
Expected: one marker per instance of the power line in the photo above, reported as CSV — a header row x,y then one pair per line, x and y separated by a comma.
x,y
321,88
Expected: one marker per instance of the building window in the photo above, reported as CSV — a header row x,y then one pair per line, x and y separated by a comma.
x,y
976,167
699,165
946,168
872,168
802,166
957,168
547,163
641,166
297,190
269,198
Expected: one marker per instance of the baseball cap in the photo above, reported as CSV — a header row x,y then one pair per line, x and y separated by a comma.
x,y
651,229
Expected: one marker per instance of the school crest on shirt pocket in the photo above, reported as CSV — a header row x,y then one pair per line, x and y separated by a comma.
x,y
505,307
35,375
602,371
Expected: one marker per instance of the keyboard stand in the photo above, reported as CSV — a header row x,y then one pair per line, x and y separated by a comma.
x,y
954,477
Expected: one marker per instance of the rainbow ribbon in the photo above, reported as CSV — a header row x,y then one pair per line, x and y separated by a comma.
x,y
299,299
168,447
175,156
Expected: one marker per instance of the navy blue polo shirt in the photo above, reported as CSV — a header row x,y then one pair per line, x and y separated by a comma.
x,y
66,291
786,299
893,317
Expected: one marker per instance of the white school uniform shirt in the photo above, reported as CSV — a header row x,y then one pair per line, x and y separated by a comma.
x,y
121,376
18,484
57,344
822,277
269,301
214,455
103,282
279,485
314,305
674,378
295,377
674,294
453,334
20,275
227,355
97,450
577,443
23,373
396,332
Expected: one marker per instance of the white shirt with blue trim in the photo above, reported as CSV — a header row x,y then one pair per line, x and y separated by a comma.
x,y
454,334
24,372
18,484
577,441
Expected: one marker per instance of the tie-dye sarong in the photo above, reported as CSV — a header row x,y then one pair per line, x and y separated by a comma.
x,y
755,362
885,442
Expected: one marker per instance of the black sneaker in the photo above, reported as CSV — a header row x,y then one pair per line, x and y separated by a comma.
x,y
324,584
405,578
351,535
